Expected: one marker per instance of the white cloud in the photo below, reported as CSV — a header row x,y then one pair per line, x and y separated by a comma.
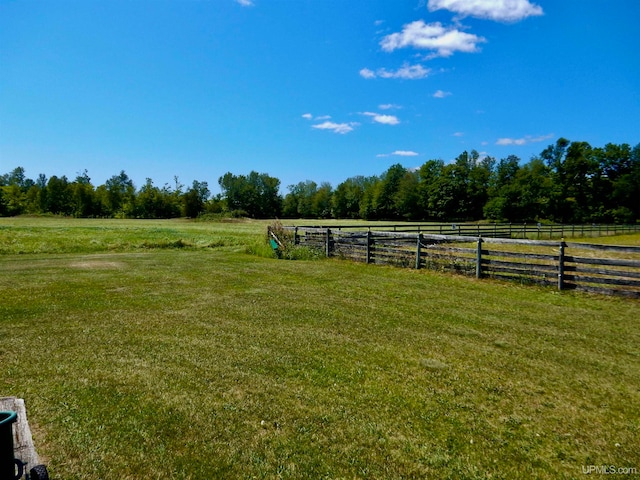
x,y
444,41
441,94
511,141
399,153
389,106
366,73
458,134
309,116
498,10
406,72
245,3
405,153
409,72
341,128
524,140
384,119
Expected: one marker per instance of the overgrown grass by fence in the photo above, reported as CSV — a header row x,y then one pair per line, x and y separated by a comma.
x,y
566,265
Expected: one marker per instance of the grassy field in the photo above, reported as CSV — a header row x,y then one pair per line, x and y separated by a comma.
x,y
167,350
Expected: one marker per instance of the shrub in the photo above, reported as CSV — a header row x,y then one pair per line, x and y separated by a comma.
x,y
283,244
301,252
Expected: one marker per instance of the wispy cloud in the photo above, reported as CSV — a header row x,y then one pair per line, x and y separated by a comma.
x,y
497,10
405,153
524,140
366,73
441,94
340,128
406,72
443,41
389,106
245,3
399,153
309,116
384,119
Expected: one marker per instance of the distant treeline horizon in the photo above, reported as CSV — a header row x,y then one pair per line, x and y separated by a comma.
x,y
568,182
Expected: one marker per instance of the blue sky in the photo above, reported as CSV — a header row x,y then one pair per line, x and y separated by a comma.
x,y
307,89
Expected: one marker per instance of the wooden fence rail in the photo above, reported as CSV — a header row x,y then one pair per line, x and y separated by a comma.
x,y
545,262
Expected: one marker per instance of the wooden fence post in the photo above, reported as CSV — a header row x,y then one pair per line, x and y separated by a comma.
x,y
328,241
561,265
418,251
479,258
296,239
369,246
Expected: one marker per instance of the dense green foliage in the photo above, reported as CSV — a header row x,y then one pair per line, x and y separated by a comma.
x,y
569,182
117,198
255,195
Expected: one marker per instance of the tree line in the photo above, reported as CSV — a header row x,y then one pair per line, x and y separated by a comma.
x,y
117,198
568,182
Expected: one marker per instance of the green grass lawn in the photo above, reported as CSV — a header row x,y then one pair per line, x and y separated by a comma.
x,y
630,239
139,356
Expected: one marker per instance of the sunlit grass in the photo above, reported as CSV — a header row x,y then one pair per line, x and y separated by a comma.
x,y
200,362
629,240
23,235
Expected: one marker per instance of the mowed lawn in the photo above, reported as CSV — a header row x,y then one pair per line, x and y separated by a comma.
x,y
167,350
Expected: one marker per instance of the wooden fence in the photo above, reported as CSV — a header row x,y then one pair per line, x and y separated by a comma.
x,y
567,266
537,231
